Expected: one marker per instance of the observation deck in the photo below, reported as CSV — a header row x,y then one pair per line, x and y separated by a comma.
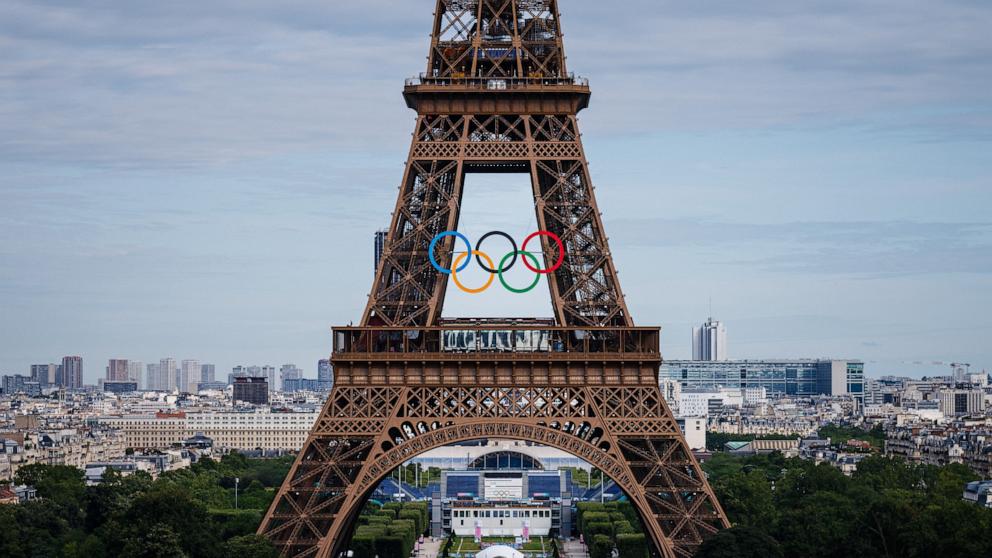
x,y
496,354
497,95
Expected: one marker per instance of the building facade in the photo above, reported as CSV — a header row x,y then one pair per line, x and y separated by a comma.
x,y
228,430
72,372
779,378
289,372
44,374
208,373
709,341
503,494
117,370
325,374
189,376
166,374
253,390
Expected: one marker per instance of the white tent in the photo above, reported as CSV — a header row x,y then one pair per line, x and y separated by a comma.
x,y
500,551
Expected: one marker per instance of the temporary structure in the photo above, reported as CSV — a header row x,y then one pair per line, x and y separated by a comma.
x,y
500,551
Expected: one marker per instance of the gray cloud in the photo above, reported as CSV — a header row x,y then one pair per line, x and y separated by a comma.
x,y
191,83
881,248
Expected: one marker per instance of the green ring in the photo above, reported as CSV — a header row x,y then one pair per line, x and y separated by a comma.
x,y
499,269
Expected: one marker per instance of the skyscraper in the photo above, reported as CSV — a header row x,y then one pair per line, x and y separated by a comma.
x,y
709,341
289,372
44,374
72,372
379,247
189,376
151,378
269,373
167,374
117,370
208,373
135,369
325,374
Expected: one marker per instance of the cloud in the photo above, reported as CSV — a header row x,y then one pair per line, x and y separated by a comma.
x,y
187,84
881,248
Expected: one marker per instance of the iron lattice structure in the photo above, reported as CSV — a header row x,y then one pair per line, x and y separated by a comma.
x,y
496,97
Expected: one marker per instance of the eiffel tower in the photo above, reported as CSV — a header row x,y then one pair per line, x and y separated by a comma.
x,y
496,98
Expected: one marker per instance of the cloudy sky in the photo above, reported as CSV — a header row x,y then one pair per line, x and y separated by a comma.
x,y
202,179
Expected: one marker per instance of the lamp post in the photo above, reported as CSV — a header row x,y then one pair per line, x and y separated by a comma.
x,y
236,481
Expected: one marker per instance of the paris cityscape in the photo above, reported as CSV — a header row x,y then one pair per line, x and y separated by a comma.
x,y
714,284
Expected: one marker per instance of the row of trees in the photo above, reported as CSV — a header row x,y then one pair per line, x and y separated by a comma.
x,y
611,525
390,530
182,514
793,508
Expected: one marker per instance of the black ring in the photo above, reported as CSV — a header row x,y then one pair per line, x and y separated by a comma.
x,y
512,243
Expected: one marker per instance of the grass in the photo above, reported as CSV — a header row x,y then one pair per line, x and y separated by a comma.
x,y
467,544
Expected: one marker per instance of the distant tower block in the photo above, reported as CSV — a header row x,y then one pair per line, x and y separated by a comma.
x,y
496,98
709,341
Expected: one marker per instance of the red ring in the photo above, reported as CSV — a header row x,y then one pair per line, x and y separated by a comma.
x,y
561,251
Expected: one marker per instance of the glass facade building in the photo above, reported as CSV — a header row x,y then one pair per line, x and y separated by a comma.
x,y
781,378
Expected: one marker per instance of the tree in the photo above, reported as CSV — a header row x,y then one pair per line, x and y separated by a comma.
x,y
740,542
747,499
61,483
632,545
601,547
173,506
249,546
159,542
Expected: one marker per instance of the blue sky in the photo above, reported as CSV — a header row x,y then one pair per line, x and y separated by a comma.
x,y
202,179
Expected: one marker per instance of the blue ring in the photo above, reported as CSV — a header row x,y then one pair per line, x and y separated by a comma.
x,y
430,251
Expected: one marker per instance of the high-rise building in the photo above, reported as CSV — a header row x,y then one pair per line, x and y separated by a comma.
x,y
167,374
379,248
135,369
72,372
291,373
44,374
151,378
325,374
117,370
189,375
208,373
254,390
958,402
269,373
780,378
11,385
709,341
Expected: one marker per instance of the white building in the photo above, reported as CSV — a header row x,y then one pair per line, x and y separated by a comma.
x,y
709,341
695,403
289,372
694,431
134,372
189,376
166,380
229,430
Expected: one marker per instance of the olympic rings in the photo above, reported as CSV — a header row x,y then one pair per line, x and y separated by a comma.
x,y
454,272
530,260
501,268
537,277
561,251
430,251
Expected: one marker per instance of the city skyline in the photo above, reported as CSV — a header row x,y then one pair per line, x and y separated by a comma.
x,y
819,173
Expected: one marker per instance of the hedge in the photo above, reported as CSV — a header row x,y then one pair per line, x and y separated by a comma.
x,y
632,545
601,547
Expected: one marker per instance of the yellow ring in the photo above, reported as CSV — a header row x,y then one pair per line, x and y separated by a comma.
x,y
454,271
